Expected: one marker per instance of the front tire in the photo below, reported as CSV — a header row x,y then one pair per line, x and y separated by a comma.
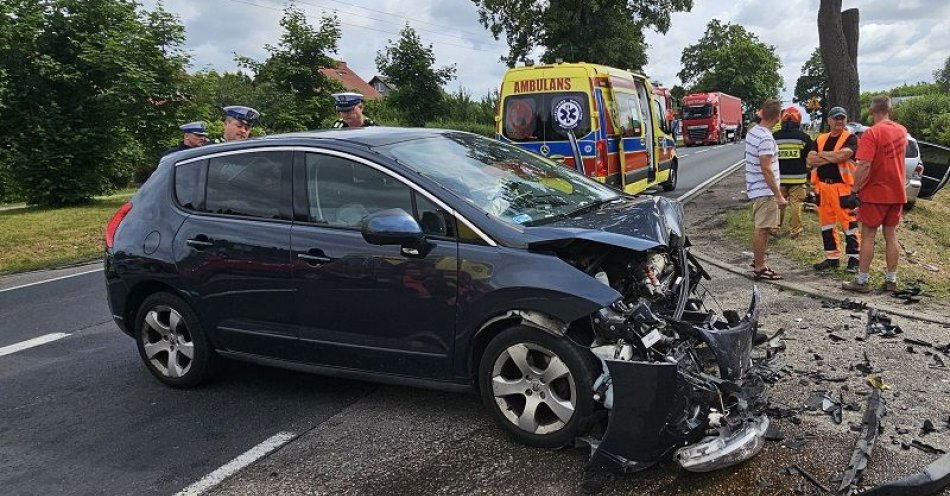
x,y
538,386
172,343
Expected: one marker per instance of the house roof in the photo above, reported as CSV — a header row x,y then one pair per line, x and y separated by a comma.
x,y
382,79
350,80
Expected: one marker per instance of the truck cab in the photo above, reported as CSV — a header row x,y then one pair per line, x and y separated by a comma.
x,y
621,134
711,118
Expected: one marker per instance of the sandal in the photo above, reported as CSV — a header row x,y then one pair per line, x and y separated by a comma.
x,y
766,274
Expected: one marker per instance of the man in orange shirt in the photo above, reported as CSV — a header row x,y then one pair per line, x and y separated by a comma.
x,y
879,183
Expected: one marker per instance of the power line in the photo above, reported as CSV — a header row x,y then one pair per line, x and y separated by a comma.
x,y
333,9
408,18
246,2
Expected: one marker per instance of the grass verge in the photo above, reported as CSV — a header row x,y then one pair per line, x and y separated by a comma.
x,y
35,238
924,236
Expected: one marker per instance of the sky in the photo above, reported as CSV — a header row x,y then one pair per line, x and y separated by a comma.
x,y
901,41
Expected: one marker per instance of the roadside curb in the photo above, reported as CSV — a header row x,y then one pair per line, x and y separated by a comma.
x,y
801,288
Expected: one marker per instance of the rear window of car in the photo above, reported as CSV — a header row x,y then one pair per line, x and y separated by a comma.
x,y
912,150
247,184
546,116
187,181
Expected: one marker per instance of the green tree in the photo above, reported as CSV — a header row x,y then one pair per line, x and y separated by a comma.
x,y
606,32
288,83
813,82
942,76
408,64
84,84
732,60
927,117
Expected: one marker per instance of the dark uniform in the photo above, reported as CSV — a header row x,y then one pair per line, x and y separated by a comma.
x,y
793,147
198,128
366,122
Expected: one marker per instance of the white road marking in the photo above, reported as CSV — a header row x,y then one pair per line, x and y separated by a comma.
x,y
705,184
30,343
51,280
228,469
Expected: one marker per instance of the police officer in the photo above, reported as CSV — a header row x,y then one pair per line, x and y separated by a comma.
x,y
350,107
833,177
195,134
238,122
793,147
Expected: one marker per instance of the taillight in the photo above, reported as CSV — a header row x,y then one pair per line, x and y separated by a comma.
x,y
114,222
919,170
600,166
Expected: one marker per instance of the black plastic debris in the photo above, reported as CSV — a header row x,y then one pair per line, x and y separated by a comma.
x,y
795,469
931,480
879,322
926,448
938,363
826,402
918,342
773,433
910,295
846,304
835,338
927,428
864,446
864,366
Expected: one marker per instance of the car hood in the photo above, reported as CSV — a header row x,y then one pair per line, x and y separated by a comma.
x,y
637,223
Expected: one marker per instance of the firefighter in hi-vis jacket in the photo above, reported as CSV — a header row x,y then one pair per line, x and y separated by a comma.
x,y
833,177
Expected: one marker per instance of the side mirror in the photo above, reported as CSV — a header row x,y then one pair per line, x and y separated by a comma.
x,y
393,227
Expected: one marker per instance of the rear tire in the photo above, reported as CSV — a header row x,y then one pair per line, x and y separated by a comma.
x,y
670,184
172,343
538,386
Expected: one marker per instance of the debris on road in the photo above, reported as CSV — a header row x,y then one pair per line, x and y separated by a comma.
x,y
926,448
808,477
879,322
864,446
846,304
932,479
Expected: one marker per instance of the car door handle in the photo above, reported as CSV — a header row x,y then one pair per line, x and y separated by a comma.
x,y
314,259
199,242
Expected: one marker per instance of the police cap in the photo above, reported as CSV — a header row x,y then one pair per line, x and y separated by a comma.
x,y
197,127
246,115
346,101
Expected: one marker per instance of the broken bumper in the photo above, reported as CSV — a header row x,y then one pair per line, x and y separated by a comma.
x,y
667,407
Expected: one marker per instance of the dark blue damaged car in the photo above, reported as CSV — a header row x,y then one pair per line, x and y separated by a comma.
x,y
448,260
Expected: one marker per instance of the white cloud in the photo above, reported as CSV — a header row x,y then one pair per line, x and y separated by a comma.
x,y
899,42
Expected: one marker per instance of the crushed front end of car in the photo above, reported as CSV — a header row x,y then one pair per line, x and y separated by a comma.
x,y
678,378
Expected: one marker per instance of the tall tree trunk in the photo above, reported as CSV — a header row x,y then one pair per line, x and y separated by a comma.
x,y
838,42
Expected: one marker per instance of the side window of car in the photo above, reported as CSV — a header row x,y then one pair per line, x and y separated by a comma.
x,y
248,184
434,220
341,192
187,184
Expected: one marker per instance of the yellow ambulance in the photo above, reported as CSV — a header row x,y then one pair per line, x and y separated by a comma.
x,y
618,122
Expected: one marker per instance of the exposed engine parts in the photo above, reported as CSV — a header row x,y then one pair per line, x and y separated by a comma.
x,y
677,377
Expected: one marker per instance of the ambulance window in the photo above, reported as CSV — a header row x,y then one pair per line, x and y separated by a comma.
x,y
521,119
629,112
544,116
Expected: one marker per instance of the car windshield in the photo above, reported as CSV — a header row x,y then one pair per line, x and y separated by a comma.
x,y
502,180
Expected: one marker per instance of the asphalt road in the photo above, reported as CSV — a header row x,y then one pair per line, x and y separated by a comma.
x,y
81,415
699,163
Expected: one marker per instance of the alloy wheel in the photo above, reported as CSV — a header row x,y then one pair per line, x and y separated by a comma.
x,y
167,342
534,388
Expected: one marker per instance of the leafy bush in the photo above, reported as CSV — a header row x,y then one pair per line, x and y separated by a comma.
x,y
926,117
